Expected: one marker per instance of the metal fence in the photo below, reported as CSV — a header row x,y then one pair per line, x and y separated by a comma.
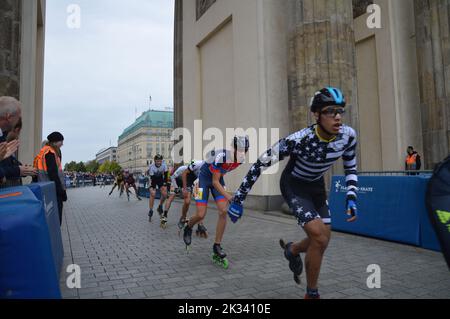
x,y
396,173
87,181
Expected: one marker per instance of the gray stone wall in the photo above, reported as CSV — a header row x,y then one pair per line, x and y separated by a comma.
x,y
433,57
10,36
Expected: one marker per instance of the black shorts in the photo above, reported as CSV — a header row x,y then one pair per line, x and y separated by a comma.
x,y
307,200
157,183
191,178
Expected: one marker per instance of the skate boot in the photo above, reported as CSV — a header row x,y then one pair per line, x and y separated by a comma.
x,y
201,231
150,215
181,223
219,256
295,262
163,223
160,211
187,236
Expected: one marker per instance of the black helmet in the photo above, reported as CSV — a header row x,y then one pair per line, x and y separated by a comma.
x,y
158,157
241,142
327,97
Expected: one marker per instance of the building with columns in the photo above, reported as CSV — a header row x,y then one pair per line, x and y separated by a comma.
x,y
257,63
22,38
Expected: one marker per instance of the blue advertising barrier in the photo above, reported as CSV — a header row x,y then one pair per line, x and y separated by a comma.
x,y
389,207
46,192
27,270
144,190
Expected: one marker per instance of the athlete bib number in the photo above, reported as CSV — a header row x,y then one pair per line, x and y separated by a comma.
x,y
198,193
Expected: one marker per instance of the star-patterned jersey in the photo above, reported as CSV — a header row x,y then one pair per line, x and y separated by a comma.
x,y
310,158
219,161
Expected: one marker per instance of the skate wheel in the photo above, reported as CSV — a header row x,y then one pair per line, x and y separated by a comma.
x,y
225,263
282,244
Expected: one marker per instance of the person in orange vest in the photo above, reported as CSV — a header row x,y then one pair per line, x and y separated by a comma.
x,y
48,164
412,161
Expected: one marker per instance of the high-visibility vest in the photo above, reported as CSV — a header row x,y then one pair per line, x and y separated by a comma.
x,y
411,161
41,165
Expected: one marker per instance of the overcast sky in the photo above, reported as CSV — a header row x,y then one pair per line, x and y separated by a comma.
x,y
97,75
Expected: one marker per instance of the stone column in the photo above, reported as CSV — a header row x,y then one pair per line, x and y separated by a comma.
x,y
178,67
321,53
321,49
178,64
10,37
433,57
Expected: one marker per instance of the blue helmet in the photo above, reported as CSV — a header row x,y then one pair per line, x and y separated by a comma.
x,y
327,97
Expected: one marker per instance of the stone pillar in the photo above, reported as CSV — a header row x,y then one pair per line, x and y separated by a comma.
x,y
321,51
178,64
178,68
433,56
10,37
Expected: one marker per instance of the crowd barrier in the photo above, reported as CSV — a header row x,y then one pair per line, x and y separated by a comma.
x,y
27,265
389,207
46,193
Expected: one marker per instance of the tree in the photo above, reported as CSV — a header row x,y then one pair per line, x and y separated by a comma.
x,y
70,167
81,167
115,168
92,166
109,167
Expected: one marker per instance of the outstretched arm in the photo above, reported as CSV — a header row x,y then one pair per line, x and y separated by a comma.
x,y
278,152
351,179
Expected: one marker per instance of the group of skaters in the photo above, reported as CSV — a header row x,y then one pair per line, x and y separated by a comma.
x,y
311,151
124,182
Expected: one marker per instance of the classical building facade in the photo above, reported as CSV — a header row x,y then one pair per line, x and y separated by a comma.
x,y
149,135
257,63
22,38
109,154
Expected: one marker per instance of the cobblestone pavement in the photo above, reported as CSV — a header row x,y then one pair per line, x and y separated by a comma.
x,y
122,255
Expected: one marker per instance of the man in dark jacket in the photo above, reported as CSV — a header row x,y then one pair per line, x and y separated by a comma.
x,y
10,116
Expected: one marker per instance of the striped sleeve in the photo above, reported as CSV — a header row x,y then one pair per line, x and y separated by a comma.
x,y
278,152
350,167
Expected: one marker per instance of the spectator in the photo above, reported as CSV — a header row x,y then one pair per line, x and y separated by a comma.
x,y
10,115
12,161
412,162
48,163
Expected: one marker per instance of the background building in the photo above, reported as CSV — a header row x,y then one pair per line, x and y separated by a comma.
x,y
108,154
22,38
149,135
257,64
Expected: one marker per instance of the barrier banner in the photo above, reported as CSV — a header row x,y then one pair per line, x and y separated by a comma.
x,y
46,192
388,207
27,269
